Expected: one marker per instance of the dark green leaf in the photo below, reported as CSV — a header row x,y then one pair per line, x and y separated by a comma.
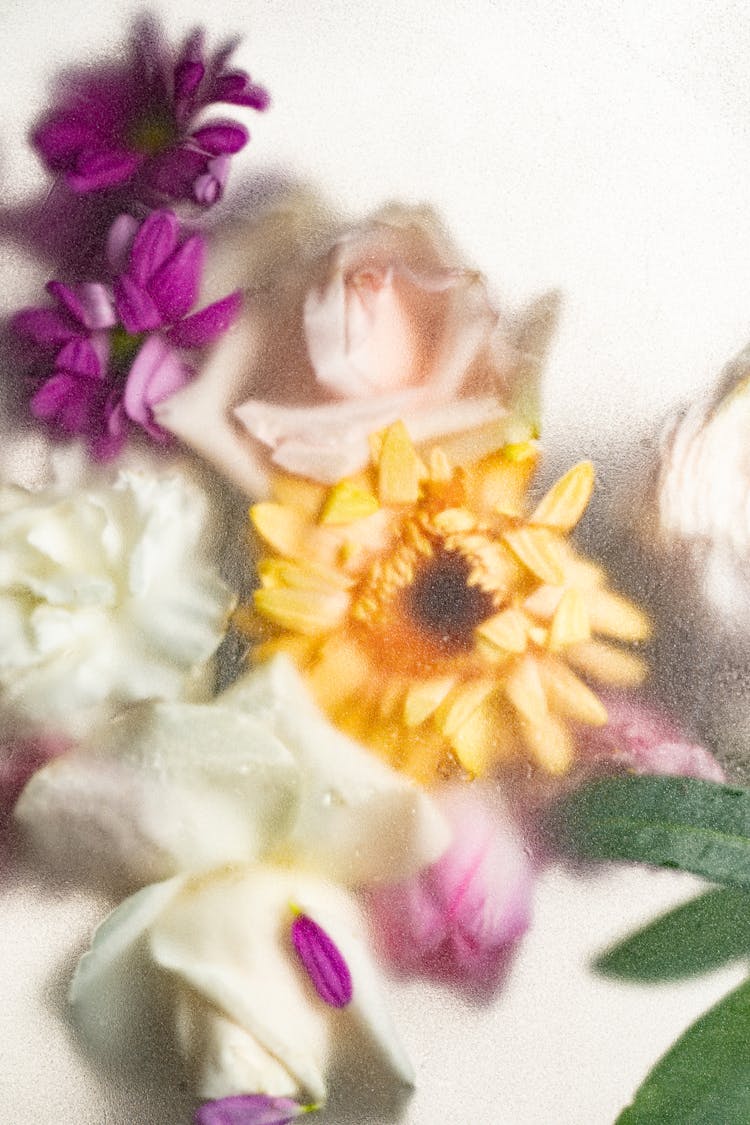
x,y
697,826
704,1079
697,937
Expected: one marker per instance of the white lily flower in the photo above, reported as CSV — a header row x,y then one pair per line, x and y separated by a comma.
x,y
255,806
107,595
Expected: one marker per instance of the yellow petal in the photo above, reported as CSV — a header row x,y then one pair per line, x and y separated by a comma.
x,y
298,649
348,501
298,492
399,467
274,573
608,664
281,527
615,616
550,744
482,741
525,691
500,485
507,630
440,466
461,703
570,623
566,501
423,699
453,521
341,669
537,548
310,612
570,695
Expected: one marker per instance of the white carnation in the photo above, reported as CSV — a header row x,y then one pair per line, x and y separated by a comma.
x,y
107,595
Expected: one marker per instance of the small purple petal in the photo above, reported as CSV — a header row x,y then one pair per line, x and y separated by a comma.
x,y
79,357
174,287
209,188
108,442
97,170
89,303
120,242
204,327
67,401
174,173
157,372
234,87
153,244
218,137
61,137
188,75
45,327
249,1109
136,309
323,962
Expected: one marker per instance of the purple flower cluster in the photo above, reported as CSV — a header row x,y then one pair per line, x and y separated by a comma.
x,y
139,123
108,353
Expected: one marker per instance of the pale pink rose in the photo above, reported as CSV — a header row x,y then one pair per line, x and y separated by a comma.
x,y
460,919
643,739
347,330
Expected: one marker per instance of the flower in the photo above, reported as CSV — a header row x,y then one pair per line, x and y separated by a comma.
x,y
461,918
139,122
107,595
325,966
114,351
250,1109
384,323
259,810
643,739
432,617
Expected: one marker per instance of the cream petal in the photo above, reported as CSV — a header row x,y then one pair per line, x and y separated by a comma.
x,y
358,821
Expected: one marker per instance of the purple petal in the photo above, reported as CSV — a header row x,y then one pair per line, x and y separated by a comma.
x,y
249,1109
67,401
235,88
79,357
97,170
323,962
174,173
120,241
45,327
89,303
135,307
209,188
218,137
153,244
157,372
61,137
175,286
207,325
188,75
110,439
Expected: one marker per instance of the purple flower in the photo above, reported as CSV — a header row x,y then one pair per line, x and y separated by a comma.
x,y
323,961
249,1109
642,739
139,122
114,351
459,919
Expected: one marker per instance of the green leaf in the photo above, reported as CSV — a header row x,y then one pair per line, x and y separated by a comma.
x,y
697,937
704,1079
697,826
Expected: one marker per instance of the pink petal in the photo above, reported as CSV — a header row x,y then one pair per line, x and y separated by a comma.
x,y
323,962
207,325
249,1109
119,242
90,303
209,188
135,307
174,287
153,244
220,137
157,372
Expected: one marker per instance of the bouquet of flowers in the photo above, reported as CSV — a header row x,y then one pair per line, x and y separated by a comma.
x,y
341,735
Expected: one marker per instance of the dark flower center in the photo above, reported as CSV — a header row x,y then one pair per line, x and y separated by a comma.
x,y
441,602
153,132
123,348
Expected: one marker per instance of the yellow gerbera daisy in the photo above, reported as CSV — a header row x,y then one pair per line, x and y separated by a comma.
x,y
433,618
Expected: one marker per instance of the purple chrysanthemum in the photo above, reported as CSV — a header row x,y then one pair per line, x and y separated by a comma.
x,y
249,1109
140,122
108,353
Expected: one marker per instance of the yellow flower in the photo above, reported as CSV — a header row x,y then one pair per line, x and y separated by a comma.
x,y
433,618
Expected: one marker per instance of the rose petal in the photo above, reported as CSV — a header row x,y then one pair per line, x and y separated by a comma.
x,y
97,170
218,137
174,287
135,306
153,244
207,325
249,1109
323,962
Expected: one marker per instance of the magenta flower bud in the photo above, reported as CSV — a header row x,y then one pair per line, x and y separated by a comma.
x,y
249,1109
323,961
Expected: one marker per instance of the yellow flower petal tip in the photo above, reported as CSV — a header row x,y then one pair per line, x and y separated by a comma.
x,y
567,500
346,502
400,469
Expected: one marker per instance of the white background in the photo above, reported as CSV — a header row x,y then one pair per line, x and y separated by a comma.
x,y
603,149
